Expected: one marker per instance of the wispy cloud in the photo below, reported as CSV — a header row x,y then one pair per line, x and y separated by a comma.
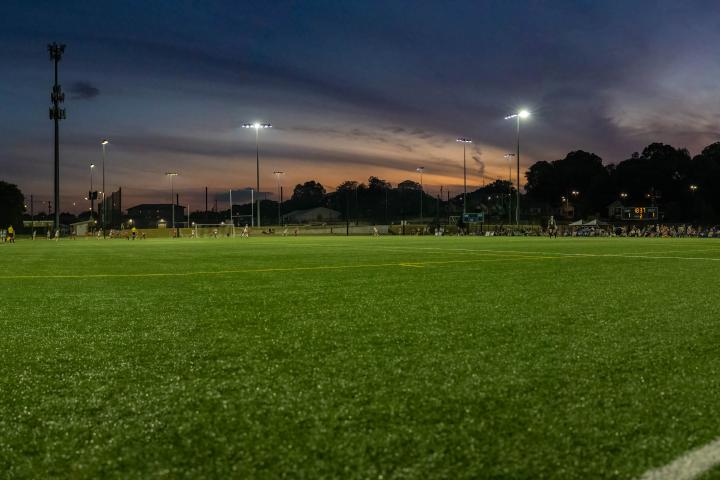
x,y
83,91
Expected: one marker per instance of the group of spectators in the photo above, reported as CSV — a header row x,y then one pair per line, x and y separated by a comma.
x,y
641,231
671,231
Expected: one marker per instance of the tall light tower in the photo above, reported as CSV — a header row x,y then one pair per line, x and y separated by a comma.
x,y
257,126
420,170
464,141
172,175
104,143
279,174
509,157
522,114
56,114
91,194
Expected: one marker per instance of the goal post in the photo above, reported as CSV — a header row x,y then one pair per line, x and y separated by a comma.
x,y
212,230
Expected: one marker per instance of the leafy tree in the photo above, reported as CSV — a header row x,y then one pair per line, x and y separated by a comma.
x,y
12,205
308,195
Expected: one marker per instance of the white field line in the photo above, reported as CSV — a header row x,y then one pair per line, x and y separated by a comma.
x,y
548,254
690,465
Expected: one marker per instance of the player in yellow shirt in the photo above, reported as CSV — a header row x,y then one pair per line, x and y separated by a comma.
x,y
11,234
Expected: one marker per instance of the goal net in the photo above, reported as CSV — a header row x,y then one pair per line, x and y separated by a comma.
x,y
212,230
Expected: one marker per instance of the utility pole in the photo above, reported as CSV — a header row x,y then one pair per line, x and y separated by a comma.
x,y
420,170
56,114
279,174
347,212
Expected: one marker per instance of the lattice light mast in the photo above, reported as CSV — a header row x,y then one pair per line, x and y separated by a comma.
x,y
56,114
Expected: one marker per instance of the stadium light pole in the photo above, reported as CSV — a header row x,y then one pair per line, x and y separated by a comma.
x,y
104,143
464,141
520,115
509,157
172,175
420,170
278,174
90,195
257,126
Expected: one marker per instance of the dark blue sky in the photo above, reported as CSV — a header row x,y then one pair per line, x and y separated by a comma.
x,y
353,88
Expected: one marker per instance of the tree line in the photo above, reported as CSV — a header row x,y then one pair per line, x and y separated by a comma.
x,y
682,186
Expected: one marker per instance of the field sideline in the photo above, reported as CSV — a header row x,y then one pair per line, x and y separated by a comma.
x,y
357,357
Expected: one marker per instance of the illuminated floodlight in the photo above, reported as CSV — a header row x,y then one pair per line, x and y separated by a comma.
x,y
257,126
463,140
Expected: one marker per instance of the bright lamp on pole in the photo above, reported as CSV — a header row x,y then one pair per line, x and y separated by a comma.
x,y
257,126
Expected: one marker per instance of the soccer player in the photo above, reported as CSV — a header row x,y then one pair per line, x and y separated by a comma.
x,y
552,227
375,232
245,232
11,234
133,232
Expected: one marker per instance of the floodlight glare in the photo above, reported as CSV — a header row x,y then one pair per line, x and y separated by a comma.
x,y
521,114
105,141
257,126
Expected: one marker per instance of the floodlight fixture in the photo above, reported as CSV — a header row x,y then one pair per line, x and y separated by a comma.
x,y
520,114
257,126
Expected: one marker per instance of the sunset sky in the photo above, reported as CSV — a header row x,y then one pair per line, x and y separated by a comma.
x,y
353,89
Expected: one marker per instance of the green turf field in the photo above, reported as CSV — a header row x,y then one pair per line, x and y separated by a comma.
x,y
414,357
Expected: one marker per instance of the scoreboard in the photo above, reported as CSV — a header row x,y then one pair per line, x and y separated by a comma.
x,y
473,217
640,213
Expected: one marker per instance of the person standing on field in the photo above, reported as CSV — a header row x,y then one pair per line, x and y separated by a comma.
x,y
552,227
11,234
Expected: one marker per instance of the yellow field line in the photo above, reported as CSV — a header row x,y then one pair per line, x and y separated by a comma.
x,y
280,269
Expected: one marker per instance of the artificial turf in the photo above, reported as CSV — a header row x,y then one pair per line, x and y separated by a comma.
x,y
391,357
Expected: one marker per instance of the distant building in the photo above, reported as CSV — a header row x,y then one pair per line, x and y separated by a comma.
x,y
156,215
82,228
318,214
615,210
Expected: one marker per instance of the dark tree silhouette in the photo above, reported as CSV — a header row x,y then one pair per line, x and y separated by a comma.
x,y
12,205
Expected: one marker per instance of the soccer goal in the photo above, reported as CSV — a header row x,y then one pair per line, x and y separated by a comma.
x,y
213,230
